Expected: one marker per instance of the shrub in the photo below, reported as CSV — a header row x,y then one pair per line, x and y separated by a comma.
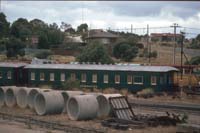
x,y
43,55
146,93
70,84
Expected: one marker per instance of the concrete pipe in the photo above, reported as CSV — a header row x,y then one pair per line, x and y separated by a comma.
x,y
22,97
51,102
66,95
2,94
10,96
31,95
82,107
104,106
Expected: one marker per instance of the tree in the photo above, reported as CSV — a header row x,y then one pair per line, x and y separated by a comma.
x,y
82,28
21,29
125,51
95,52
43,42
14,47
194,61
4,26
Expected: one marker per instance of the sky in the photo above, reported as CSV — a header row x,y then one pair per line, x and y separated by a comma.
x,y
110,14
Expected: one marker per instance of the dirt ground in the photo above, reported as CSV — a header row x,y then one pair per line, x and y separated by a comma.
x,y
170,99
8,126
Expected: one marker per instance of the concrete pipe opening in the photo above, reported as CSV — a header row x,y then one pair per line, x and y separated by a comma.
x,y
10,98
82,107
22,97
66,95
50,102
31,97
2,97
104,106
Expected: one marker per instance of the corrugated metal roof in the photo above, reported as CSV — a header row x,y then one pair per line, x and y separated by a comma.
x,y
11,64
103,67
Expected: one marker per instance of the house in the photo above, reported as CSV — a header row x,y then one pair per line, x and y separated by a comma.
x,y
101,36
164,37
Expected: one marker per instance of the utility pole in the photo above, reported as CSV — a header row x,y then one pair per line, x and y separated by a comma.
x,y
182,40
131,28
175,25
148,45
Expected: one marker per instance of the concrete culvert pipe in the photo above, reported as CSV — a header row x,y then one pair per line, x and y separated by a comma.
x,y
10,96
31,95
22,97
51,102
2,94
104,106
82,107
66,95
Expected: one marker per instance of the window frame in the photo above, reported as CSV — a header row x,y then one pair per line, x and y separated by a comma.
x,y
52,77
138,83
73,76
117,79
131,79
42,73
32,76
83,77
107,77
153,80
94,76
62,78
9,75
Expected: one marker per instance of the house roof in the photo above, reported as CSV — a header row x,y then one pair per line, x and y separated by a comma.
x,y
103,67
12,64
98,33
164,34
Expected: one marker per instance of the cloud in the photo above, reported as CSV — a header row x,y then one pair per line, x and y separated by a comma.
x,y
101,14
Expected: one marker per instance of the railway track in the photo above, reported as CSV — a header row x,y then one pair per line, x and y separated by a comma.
x,y
180,108
46,124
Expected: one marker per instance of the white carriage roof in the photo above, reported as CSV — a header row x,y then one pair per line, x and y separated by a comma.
x,y
11,64
103,67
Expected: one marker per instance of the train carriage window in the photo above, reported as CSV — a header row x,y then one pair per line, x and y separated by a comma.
x,y
51,76
73,76
41,76
9,76
129,79
105,78
0,75
83,77
94,78
62,77
32,76
117,79
138,80
153,80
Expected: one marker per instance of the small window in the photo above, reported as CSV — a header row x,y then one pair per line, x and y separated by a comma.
x,y
51,76
9,76
94,78
32,76
73,76
62,77
41,76
117,79
153,80
129,79
138,80
0,75
83,77
105,78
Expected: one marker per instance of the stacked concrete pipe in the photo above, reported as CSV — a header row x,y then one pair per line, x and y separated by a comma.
x,y
104,106
66,95
82,107
10,96
51,102
31,96
22,97
2,94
